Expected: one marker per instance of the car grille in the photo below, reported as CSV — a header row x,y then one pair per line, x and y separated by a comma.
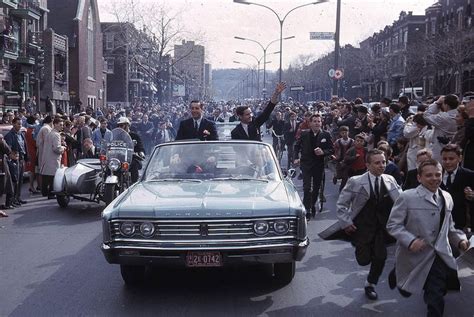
x,y
190,230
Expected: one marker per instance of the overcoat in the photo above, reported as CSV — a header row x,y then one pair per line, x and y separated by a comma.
x,y
43,132
356,193
52,151
416,215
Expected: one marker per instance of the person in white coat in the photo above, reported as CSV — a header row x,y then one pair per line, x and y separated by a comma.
x,y
442,116
52,150
43,132
422,223
419,137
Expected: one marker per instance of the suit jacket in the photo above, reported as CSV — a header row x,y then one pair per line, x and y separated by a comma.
x,y
186,130
416,215
464,177
238,133
306,148
12,141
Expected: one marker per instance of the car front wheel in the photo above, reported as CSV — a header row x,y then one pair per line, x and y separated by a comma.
x,y
132,274
284,272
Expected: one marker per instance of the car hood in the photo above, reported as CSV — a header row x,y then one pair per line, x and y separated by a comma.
x,y
204,199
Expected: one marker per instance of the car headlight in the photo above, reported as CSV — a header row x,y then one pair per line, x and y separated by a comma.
x,y
281,227
114,164
127,228
147,229
261,227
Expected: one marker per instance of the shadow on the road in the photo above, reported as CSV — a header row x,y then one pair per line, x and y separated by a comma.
x,y
42,211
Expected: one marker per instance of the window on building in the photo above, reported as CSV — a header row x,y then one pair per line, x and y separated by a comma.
x,y
110,65
60,68
109,41
90,44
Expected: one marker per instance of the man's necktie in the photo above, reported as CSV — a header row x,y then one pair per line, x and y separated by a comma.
x,y
376,189
196,127
448,181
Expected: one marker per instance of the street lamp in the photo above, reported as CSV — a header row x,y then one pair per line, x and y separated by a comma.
x,y
264,48
281,23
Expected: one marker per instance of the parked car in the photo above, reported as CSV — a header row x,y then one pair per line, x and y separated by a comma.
x,y
207,204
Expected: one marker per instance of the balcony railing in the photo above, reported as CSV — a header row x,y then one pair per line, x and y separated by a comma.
x,y
9,4
8,47
27,9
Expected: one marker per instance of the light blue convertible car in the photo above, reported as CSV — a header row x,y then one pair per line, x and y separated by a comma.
x,y
207,204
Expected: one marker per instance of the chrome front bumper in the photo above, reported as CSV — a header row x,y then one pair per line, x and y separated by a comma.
x,y
142,254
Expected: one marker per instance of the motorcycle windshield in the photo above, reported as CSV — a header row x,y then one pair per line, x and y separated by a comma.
x,y
121,146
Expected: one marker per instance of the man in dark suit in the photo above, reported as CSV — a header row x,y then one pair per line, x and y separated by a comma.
x,y
249,128
455,181
363,208
289,132
314,145
197,127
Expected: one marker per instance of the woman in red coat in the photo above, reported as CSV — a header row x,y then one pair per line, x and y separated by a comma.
x,y
31,164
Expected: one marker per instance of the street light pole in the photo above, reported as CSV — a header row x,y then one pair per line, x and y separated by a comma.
x,y
281,21
264,48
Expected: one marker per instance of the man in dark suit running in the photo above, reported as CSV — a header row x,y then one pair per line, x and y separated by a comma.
x,y
197,127
249,128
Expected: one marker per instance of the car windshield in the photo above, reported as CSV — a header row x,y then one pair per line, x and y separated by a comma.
x,y
212,161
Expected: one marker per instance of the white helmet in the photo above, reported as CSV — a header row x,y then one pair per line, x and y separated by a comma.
x,y
123,120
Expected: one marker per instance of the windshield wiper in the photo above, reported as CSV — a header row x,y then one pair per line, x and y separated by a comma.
x,y
174,180
239,179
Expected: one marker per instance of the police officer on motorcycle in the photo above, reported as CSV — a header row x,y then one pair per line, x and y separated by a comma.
x,y
138,156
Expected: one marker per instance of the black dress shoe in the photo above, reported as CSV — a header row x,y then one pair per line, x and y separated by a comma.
x,y
392,279
404,293
51,196
21,201
370,292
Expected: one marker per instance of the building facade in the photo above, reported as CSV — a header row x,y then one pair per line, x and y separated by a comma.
x,y
189,68
22,56
132,64
79,21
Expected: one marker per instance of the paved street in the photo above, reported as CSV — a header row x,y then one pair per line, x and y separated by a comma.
x,y
51,265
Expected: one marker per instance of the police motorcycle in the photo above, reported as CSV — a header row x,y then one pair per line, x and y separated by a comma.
x,y
96,180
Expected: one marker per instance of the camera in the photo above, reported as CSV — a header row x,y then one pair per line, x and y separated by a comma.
x,y
443,139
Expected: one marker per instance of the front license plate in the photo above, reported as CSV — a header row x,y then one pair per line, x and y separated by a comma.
x,y
203,259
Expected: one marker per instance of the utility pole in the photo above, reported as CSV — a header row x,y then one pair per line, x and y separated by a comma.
x,y
335,87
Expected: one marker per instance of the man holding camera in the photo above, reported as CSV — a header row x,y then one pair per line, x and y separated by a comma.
x,y
442,116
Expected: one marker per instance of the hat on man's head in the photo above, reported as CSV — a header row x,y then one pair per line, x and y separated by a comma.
x,y
123,120
362,109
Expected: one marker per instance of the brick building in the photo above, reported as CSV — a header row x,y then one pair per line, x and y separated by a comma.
x,y
79,21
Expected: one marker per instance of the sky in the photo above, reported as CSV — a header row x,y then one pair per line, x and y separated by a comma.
x,y
214,23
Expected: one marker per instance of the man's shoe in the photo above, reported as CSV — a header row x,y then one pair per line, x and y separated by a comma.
x,y
404,293
392,279
370,292
51,196
21,201
15,204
